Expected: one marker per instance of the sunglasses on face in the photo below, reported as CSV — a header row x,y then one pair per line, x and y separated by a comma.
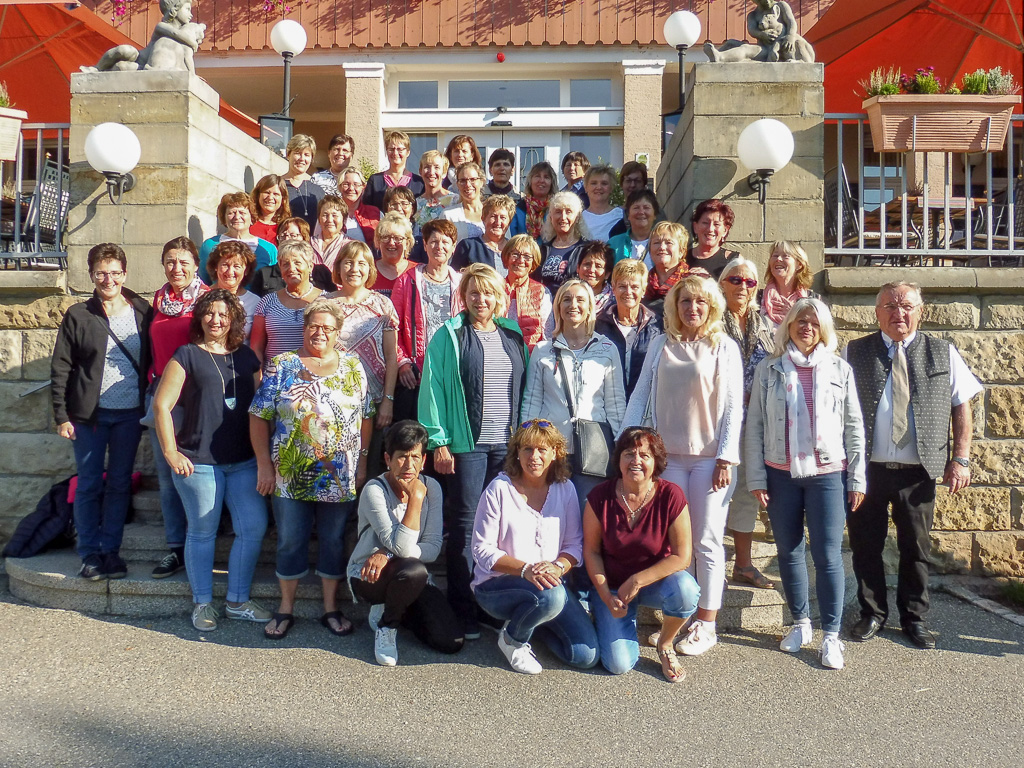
x,y
749,282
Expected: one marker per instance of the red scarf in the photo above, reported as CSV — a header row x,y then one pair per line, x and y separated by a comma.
x,y
528,296
536,210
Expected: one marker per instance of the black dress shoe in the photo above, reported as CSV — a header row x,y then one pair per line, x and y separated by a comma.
x,y
919,634
866,628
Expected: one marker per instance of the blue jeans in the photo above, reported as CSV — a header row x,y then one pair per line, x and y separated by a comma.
x,y
171,507
820,501
676,595
204,493
473,472
554,614
295,528
100,524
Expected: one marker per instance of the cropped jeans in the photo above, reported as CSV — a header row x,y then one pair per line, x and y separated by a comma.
x,y
101,508
294,519
554,615
820,503
204,493
676,595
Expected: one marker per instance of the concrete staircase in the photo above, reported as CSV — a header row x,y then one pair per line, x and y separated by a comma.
x,y
51,580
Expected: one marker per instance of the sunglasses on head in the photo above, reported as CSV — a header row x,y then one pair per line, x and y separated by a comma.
x,y
737,280
542,423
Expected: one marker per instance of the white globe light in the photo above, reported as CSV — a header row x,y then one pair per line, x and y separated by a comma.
x,y
112,147
682,28
765,145
288,36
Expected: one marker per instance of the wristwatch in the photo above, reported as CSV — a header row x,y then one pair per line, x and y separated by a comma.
x,y
962,461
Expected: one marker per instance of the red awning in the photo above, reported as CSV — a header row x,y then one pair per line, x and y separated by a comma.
x,y
854,37
42,43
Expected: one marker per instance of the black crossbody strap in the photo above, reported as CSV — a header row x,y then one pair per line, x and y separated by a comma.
x,y
565,384
120,344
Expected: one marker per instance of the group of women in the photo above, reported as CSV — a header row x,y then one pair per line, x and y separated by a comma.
x,y
345,379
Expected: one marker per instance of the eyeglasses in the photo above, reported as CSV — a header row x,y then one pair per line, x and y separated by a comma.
x,y
749,282
520,256
115,275
474,180
324,329
542,423
891,307
392,239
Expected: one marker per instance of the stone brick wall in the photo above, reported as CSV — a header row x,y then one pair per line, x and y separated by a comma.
x,y
981,529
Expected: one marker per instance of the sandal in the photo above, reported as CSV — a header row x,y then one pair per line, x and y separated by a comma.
x,y
283,623
750,575
670,666
344,626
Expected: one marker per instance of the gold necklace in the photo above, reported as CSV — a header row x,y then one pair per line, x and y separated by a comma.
x,y
634,513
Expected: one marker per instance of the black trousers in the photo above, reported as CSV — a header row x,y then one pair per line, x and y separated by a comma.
x,y
412,602
911,492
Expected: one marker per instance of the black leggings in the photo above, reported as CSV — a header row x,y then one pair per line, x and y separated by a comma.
x,y
411,602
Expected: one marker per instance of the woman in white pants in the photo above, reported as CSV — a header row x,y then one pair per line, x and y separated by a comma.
x,y
691,391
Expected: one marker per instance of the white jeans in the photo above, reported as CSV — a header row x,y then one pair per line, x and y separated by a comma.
x,y
708,512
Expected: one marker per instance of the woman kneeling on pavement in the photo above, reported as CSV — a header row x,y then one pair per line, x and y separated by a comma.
x,y
526,537
400,521
637,546
212,459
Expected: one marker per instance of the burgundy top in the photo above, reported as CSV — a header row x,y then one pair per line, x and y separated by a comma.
x,y
627,551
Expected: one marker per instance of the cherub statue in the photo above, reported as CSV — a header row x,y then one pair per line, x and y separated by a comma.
x,y
773,25
172,45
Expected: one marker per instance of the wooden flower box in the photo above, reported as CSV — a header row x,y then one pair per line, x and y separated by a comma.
x,y
918,122
10,128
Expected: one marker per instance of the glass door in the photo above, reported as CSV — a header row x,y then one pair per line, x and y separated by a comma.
x,y
529,147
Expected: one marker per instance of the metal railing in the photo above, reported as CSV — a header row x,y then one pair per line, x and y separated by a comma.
x,y
920,209
36,195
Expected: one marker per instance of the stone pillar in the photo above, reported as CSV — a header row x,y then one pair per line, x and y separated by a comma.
x,y
701,162
364,104
641,121
190,158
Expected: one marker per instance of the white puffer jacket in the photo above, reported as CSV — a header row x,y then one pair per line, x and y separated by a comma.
x,y
595,380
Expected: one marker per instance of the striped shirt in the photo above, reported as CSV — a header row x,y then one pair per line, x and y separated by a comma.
x,y
806,376
284,326
496,420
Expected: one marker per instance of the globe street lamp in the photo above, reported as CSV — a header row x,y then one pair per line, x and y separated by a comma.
x,y
114,150
682,29
765,146
289,39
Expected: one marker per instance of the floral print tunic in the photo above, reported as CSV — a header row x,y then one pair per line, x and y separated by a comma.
x,y
315,442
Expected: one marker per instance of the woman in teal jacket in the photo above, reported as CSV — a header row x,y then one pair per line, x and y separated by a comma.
x,y
474,374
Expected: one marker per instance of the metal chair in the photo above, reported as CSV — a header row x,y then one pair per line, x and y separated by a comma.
x,y
838,196
45,221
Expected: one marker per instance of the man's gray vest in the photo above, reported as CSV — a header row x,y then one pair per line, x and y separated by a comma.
x,y
930,391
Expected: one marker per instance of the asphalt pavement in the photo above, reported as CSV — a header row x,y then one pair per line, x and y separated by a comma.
x,y
88,692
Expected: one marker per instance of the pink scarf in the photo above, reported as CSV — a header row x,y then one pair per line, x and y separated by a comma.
x,y
775,306
169,303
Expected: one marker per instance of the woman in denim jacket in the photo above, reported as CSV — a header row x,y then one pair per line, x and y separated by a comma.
x,y
804,450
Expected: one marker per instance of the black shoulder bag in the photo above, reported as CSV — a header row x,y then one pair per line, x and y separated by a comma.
x,y
593,444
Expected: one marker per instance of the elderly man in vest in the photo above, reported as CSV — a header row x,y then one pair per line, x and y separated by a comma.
x,y
909,384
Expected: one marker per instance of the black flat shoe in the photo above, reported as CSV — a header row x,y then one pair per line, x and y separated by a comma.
x,y
919,635
866,628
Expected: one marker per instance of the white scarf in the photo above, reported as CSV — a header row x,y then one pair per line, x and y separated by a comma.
x,y
804,438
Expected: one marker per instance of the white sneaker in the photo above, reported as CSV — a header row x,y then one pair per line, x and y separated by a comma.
x,y
376,611
385,646
798,636
698,640
520,655
831,653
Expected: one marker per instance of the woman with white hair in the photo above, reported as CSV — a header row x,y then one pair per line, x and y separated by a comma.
x,y
804,450
562,240
691,392
277,324
575,375
752,331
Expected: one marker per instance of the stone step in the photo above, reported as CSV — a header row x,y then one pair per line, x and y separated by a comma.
x,y
146,504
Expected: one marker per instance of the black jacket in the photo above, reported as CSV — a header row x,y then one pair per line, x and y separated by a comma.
x,y
76,369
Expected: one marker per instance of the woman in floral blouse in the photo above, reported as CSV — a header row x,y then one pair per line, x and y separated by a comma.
x,y
310,430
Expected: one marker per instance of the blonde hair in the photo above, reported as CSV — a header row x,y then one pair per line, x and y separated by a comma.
x,y
674,231
735,264
572,202
591,319
630,268
488,278
300,141
525,242
322,306
503,202
394,223
400,136
351,251
699,287
803,276
432,154
826,325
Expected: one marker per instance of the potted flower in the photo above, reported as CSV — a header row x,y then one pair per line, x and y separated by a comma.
x,y
912,112
10,125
